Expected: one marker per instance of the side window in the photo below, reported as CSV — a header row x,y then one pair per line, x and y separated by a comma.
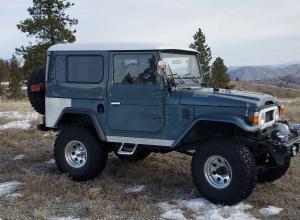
x,y
60,68
85,69
135,69
51,67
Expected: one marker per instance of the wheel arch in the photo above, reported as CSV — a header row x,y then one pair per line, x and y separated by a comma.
x,y
81,116
212,124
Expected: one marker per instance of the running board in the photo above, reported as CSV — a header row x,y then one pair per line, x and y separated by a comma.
x,y
123,150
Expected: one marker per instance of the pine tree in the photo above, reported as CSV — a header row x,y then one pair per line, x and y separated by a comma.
x,y
14,87
4,70
49,25
204,53
219,74
4,73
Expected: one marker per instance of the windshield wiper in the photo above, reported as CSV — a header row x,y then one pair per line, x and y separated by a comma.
x,y
173,74
198,81
182,80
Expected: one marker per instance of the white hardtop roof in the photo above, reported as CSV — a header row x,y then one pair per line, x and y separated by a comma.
x,y
116,47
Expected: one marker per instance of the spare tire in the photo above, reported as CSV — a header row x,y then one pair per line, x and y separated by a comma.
x,y
36,90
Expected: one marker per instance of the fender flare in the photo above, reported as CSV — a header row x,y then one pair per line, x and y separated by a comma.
x,y
90,113
232,119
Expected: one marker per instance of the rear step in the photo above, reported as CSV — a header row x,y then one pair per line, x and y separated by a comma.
x,y
128,149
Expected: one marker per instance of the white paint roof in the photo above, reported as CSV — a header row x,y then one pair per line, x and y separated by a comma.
x,y
116,46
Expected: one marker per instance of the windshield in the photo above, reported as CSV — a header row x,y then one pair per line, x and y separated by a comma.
x,y
184,67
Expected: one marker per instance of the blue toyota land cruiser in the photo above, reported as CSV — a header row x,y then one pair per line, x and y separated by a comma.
x,y
136,99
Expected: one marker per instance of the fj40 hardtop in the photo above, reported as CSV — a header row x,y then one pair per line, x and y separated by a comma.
x,y
138,99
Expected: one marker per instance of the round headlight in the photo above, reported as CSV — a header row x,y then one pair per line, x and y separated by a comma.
x,y
263,118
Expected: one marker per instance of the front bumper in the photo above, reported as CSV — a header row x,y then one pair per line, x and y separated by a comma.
x,y
280,141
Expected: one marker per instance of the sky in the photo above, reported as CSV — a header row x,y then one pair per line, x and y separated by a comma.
x,y
256,32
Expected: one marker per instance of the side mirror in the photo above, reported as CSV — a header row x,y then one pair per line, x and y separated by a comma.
x,y
162,72
172,83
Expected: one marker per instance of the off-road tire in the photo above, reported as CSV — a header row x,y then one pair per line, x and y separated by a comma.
x,y
273,173
139,154
96,152
37,99
243,166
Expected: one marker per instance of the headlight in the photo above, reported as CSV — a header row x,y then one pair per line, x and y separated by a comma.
x,y
254,118
257,118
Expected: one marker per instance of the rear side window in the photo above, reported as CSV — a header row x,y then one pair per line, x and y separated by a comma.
x,y
60,68
85,69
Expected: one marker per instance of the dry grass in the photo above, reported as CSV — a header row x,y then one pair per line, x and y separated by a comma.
x,y
268,89
293,109
4,120
12,105
49,193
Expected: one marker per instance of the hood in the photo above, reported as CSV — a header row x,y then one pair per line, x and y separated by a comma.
x,y
224,98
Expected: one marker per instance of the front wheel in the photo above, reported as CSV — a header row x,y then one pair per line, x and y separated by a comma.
x,y
79,152
224,171
270,174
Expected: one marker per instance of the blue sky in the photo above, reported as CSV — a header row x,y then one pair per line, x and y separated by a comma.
x,y
252,32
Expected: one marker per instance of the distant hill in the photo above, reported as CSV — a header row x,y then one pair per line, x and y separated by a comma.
x,y
285,75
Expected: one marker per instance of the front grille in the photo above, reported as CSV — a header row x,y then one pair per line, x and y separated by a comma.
x,y
270,116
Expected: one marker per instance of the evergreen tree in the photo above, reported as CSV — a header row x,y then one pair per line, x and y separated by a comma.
x,y
1,90
4,70
14,87
4,73
49,25
219,74
204,53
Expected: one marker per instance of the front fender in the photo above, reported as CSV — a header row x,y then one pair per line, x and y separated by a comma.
x,y
232,119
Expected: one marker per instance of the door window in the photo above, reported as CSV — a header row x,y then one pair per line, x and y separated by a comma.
x,y
135,69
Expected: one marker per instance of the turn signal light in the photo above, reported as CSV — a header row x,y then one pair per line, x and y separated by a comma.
x,y
254,118
281,110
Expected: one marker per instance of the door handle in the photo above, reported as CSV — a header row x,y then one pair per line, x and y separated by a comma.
x,y
115,103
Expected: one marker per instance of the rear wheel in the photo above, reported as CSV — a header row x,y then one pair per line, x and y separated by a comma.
x,y
79,152
270,174
224,171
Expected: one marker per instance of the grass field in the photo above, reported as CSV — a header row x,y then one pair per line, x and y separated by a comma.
x,y
279,92
157,187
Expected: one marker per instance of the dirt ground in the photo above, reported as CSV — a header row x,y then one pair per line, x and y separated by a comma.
x,y
47,193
